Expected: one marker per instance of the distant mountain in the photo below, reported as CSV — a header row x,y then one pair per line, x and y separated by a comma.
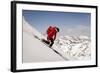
x,y
74,48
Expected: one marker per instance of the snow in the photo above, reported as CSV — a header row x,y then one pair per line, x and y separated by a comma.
x,y
30,30
74,48
70,47
33,49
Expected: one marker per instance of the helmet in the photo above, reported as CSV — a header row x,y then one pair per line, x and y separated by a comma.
x,y
57,29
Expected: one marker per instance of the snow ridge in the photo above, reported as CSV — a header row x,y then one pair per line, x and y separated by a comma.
x,y
31,30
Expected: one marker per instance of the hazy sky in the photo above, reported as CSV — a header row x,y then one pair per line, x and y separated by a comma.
x,y
69,23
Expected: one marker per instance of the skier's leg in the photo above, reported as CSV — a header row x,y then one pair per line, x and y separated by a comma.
x,y
48,41
52,42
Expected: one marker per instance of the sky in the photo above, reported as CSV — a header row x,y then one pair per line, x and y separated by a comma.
x,y
69,23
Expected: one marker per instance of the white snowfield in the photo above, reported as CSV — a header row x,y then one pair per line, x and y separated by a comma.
x,y
70,47
33,49
74,48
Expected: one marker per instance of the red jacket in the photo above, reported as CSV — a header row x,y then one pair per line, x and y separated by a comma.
x,y
51,32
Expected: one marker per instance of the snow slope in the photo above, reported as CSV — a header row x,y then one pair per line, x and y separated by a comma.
x,y
70,47
73,47
33,49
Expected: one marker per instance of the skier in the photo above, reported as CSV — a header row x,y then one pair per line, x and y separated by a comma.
x,y
51,34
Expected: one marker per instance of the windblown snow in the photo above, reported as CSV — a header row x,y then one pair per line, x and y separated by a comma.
x,y
70,47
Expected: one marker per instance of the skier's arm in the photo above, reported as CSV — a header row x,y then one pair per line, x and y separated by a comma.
x,y
54,36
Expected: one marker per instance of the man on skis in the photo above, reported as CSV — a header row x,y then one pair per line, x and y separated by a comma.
x,y
51,34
